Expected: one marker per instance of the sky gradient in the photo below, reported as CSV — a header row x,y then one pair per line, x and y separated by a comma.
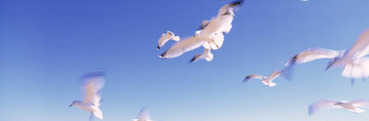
x,y
45,46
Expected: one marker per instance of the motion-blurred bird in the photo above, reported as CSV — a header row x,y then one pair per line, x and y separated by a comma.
x,y
92,84
166,37
211,35
353,106
356,65
267,80
207,55
143,115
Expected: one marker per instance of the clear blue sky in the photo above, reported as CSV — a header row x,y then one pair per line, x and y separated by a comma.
x,y
46,45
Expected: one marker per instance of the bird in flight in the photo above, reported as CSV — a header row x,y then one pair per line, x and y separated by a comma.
x,y
354,61
266,80
353,106
93,82
210,35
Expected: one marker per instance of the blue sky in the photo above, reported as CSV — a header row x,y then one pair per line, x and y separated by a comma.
x,y
46,45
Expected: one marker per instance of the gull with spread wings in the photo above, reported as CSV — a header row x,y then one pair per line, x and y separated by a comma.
x,y
211,35
353,106
354,61
93,82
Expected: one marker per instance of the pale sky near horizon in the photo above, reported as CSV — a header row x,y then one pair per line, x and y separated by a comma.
x,y
45,46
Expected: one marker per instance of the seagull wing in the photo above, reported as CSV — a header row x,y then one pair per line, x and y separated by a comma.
x,y
163,39
143,115
325,104
360,103
182,46
313,54
94,82
274,75
253,76
361,46
224,10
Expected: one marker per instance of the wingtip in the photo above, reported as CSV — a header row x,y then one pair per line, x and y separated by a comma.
x,y
192,60
163,55
238,2
158,47
246,79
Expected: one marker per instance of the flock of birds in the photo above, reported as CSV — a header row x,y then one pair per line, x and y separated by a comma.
x,y
211,37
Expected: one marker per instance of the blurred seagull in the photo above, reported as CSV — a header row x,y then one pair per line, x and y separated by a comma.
x,y
353,106
267,80
143,115
211,35
313,54
355,64
93,83
206,55
166,37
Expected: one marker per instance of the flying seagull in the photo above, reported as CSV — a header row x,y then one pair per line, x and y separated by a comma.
x,y
207,55
143,115
211,35
353,106
267,80
356,65
93,82
166,37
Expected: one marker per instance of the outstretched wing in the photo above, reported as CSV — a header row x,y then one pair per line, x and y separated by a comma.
x,y
312,54
320,105
361,46
226,9
253,76
93,83
182,46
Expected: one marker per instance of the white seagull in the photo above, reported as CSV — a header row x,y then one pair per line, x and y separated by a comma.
x,y
353,106
356,65
211,34
267,80
93,83
166,37
143,115
207,55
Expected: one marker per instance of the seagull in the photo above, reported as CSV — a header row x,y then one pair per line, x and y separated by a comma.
x,y
93,83
143,115
211,35
304,0
267,80
353,106
356,65
207,55
166,37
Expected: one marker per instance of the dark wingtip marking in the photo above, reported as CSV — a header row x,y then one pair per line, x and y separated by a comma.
x,y
237,2
246,79
158,47
162,55
192,60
